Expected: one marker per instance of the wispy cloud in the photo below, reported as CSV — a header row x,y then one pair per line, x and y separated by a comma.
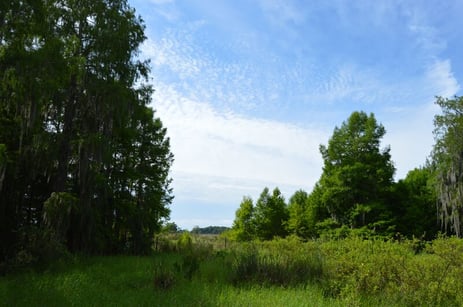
x,y
282,11
209,142
225,156
243,112
175,53
440,78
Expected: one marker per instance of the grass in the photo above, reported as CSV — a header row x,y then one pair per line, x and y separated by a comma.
x,y
350,272
129,281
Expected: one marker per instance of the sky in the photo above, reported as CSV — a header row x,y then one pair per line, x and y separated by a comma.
x,y
249,89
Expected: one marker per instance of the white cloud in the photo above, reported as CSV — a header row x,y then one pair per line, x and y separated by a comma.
x,y
410,128
426,36
204,86
409,133
441,80
175,54
219,157
208,142
282,11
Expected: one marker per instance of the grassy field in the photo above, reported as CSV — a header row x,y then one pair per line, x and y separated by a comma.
x,y
130,281
350,272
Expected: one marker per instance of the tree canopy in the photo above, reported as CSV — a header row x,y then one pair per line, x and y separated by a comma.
x,y
413,202
81,152
270,215
357,173
447,159
244,226
356,193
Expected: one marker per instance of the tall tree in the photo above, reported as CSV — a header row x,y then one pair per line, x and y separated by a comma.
x,y
413,203
270,215
447,159
299,215
357,173
76,131
243,225
30,76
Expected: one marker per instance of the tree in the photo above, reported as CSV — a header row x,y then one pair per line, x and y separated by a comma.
x,y
31,71
447,159
209,230
75,125
413,203
170,227
357,174
270,215
243,225
298,222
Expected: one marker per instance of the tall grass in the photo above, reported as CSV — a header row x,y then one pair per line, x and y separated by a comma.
x,y
281,262
131,281
284,272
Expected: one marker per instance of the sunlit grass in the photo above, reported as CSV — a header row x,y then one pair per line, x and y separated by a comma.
x,y
350,272
129,281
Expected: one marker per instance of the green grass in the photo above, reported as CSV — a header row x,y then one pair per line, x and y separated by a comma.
x,y
129,281
350,272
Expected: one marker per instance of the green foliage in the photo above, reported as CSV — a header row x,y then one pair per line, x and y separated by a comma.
x,y
209,230
244,225
57,213
170,227
286,272
144,281
264,221
447,160
36,247
164,278
75,121
270,215
413,202
299,222
357,174
355,195
279,262
185,242
356,268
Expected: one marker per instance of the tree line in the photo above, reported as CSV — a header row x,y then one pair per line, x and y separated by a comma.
x,y
356,192
84,161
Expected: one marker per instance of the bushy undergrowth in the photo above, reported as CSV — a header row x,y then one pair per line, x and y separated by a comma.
x,y
352,271
356,267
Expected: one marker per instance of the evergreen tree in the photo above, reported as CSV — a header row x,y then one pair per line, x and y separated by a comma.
x,y
298,209
79,146
447,159
270,215
357,174
413,203
243,226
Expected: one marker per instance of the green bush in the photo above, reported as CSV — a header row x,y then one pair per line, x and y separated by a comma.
x,y
357,268
185,242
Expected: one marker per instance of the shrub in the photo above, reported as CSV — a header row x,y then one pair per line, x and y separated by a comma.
x,y
185,242
357,268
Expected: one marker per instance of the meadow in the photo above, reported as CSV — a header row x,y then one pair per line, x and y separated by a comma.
x,y
191,270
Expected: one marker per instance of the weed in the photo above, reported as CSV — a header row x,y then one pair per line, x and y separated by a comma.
x,y
163,277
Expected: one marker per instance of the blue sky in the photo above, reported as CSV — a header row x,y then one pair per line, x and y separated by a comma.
x,y
248,90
